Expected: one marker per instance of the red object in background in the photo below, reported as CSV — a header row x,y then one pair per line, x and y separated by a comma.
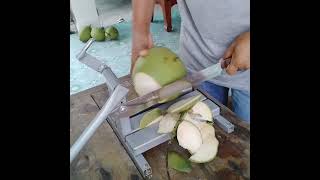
x,y
166,6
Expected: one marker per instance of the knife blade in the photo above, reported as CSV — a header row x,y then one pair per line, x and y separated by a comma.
x,y
181,86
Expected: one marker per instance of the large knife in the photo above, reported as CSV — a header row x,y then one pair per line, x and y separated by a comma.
x,y
182,86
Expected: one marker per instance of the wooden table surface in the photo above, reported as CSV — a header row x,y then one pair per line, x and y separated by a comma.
x,y
105,158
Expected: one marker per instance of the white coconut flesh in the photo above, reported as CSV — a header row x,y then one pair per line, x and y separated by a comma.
x,y
184,104
198,114
168,122
207,151
145,84
207,131
202,110
189,136
209,148
187,117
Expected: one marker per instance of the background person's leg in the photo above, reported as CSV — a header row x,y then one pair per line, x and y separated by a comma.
x,y
241,104
218,92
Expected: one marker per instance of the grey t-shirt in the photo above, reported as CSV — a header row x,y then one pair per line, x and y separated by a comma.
x,y
208,27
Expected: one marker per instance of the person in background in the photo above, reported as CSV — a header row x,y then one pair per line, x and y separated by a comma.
x,y
210,30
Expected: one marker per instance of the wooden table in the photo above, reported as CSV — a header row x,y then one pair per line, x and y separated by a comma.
x,y
105,158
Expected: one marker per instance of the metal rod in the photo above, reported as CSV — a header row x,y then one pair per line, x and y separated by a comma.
x,y
85,48
114,100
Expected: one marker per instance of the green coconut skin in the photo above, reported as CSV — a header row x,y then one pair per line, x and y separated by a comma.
x,y
149,117
111,33
85,34
187,104
170,99
98,33
163,65
177,162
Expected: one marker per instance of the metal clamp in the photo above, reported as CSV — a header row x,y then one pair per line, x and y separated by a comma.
x,y
102,68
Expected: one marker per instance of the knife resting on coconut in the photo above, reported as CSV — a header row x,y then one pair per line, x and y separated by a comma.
x,y
182,86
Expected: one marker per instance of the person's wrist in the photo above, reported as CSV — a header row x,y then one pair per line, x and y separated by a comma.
x,y
140,28
140,41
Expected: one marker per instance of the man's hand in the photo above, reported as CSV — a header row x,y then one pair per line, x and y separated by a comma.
x,y
140,45
239,52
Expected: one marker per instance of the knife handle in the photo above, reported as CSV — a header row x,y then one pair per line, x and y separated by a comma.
x,y
179,86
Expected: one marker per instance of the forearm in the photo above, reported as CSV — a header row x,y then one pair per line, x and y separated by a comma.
x,y
141,37
142,14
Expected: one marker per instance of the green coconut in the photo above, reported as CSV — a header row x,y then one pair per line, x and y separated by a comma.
x,y
184,104
158,68
98,33
85,34
151,117
111,33
177,162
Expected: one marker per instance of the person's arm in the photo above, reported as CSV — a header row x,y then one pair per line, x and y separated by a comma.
x,y
239,52
141,36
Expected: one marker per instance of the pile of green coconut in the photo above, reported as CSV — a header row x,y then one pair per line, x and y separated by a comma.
x,y
98,33
190,120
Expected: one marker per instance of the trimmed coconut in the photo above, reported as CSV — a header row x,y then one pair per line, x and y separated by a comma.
x,y
148,84
168,122
161,65
189,136
184,104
